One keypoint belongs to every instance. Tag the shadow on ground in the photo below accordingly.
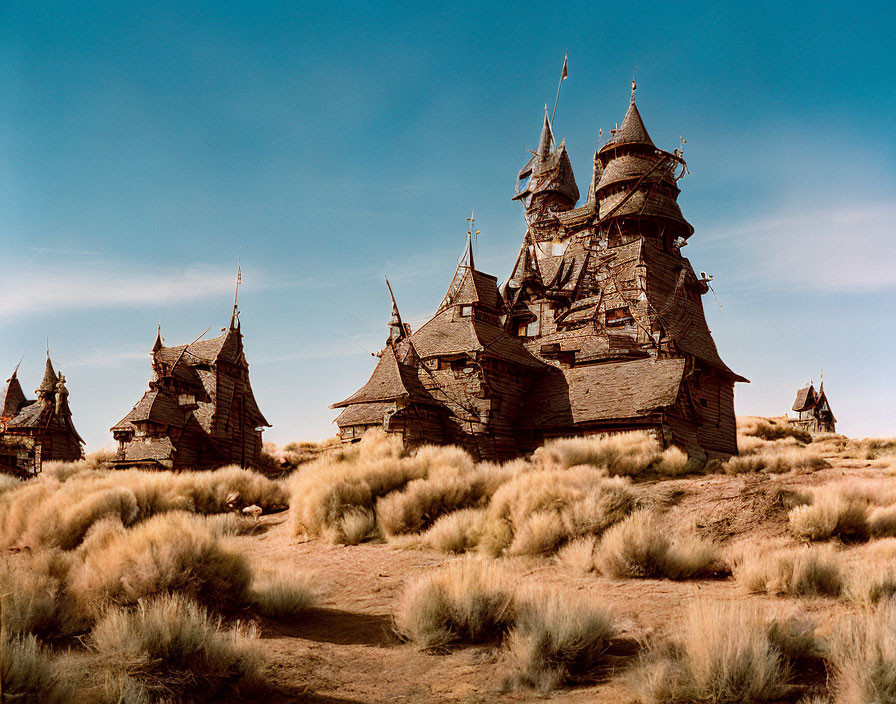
(334, 626)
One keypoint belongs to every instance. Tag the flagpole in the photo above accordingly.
(563, 75)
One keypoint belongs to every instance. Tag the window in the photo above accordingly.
(616, 317)
(431, 363)
(528, 329)
(466, 311)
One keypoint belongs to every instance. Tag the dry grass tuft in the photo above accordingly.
(36, 595)
(771, 429)
(624, 454)
(863, 655)
(456, 532)
(29, 674)
(170, 649)
(834, 513)
(536, 511)
(174, 552)
(469, 600)
(282, 594)
(556, 638)
(639, 547)
(725, 652)
(579, 554)
(803, 571)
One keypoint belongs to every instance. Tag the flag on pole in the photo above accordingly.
(239, 273)
(565, 71)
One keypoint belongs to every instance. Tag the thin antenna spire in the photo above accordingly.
(394, 304)
(563, 76)
(16, 370)
(634, 85)
(234, 317)
(471, 232)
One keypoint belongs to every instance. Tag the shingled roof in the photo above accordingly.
(390, 381)
(446, 335)
(156, 406)
(681, 315)
(49, 381)
(603, 392)
(805, 398)
(364, 413)
(631, 131)
(12, 397)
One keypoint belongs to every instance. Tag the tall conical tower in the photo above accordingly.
(546, 183)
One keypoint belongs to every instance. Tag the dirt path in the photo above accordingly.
(345, 651)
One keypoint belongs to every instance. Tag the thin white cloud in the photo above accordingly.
(110, 286)
(845, 247)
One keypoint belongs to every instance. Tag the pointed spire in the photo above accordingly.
(468, 253)
(235, 316)
(546, 140)
(158, 343)
(49, 381)
(396, 326)
(632, 129)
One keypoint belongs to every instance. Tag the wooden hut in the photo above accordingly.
(813, 412)
(600, 327)
(34, 431)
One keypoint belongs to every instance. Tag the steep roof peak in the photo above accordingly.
(632, 129)
(158, 343)
(50, 378)
(546, 140)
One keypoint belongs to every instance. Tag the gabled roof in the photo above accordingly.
(390, 381)
(12, 398)
(805, 398)
(447, 334)
(207, 351)
(477, 287)
(29, 416)
(156, 406)
(631, 131)
(364, 413)
(603, 392)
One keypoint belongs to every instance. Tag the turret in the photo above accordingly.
(546, 183)
(635, 184)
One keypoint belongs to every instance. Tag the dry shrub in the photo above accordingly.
(579, 554)
(281, 593)
(882, 522)
(640, 547)
(174, 552)
(449, 486)
(833, 513)
(725, 652)
(29, 674)
(538, 510)
(556, 638)
(8, 483)
(296, 454)
(170, 649)
(625, 454)
(863, 655)
(872, 583)
(469, 600)
(49, 512)
(456, 532)
(802, 571)
(771, 429)
(355, 526)
(36, 596)
(773, 457)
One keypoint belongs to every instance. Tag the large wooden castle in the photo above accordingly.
(600, 327)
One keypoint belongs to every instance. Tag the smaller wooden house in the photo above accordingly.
(199, 411)
(32, 431)
(813, 410)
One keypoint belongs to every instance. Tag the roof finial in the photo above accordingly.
(16, 370)
(634, 85)
(563, 76)
(397, 328)
(471, 232)
(235, 316)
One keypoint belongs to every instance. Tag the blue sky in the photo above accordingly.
(143, 145)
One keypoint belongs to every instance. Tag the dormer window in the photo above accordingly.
(618, 317)
(186, 399)
(466, 311)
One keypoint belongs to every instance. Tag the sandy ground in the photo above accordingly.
(345, 651)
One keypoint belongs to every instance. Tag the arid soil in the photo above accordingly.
(345, 650)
